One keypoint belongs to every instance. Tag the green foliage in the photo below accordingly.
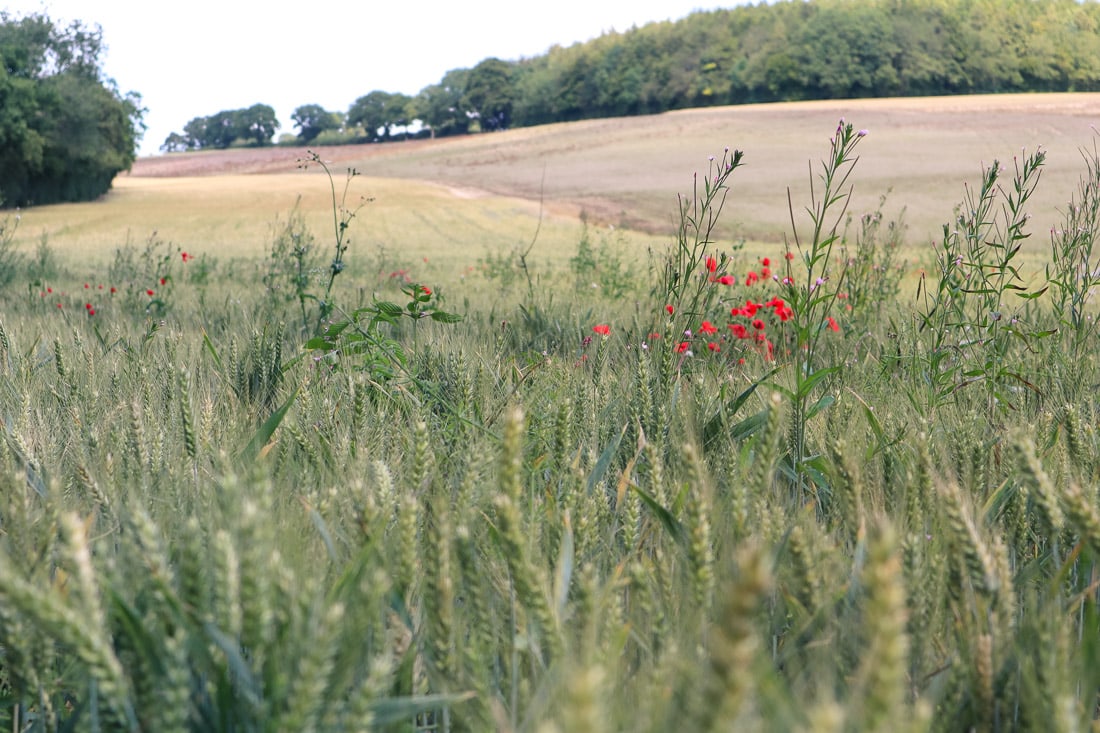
(823, 49)
(292, 269)
(873, 268)
(255, 125)
(974, 330)
(313, 119)
(66, 130)
(490, 94)
(441, 105)
(378, 113)
(601, 268)
(10, 260)
(1074, 269)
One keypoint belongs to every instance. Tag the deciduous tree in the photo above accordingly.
(65, 129)
(311, 120)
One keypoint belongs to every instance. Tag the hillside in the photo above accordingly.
(628, 171)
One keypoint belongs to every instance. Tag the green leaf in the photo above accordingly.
(672, 525)
(209, 347)
(263, 435)
(388, 308)
(714, 426)
(604, 462)
(444, 317)
(812, 380)
(245, 683)
(320, 342)
(322, 529)
(335, 329)
(824, 402)
(403, 709)
(749, 426)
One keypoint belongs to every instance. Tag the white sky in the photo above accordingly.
(198, 57)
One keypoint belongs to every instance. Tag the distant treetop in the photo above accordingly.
(783, 51)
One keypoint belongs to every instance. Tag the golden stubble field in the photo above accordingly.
(454, 200)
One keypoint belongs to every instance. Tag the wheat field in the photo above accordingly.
(461, 459)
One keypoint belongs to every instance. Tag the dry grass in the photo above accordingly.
(466, 196)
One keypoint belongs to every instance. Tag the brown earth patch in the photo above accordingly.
(255, 160)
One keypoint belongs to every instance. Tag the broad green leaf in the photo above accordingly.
(444, 317)
(604, 461)
(749, 425)
(811, 381)
(821, 404)
(388, 308)
(263, 435)
(672, 525)
(320, 342)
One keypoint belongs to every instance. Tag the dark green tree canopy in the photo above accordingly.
(65, 130)
(313, 119)
(764, 52)
(378, 113)
(780, 51)
(254, 126)
(442, 106)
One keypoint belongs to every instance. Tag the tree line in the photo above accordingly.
(65, 129)
(788, 50)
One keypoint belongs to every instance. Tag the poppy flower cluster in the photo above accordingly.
(89, 308)
(753, 325)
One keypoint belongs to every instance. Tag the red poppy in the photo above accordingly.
(670, 309)
(751, 278)
(149, 293)
(758, 324)
(832, 324)
(714, 347)
(91, 311)
(86, 286)
(766, 262)
(727, 279)
(739, 330)
(712, 264)
(708, 327)
(602, 329)
(113, 290)
(185, 256)
(163, 281)
(425, 289)
(684, 345)
(49, 290)
(789, 255)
